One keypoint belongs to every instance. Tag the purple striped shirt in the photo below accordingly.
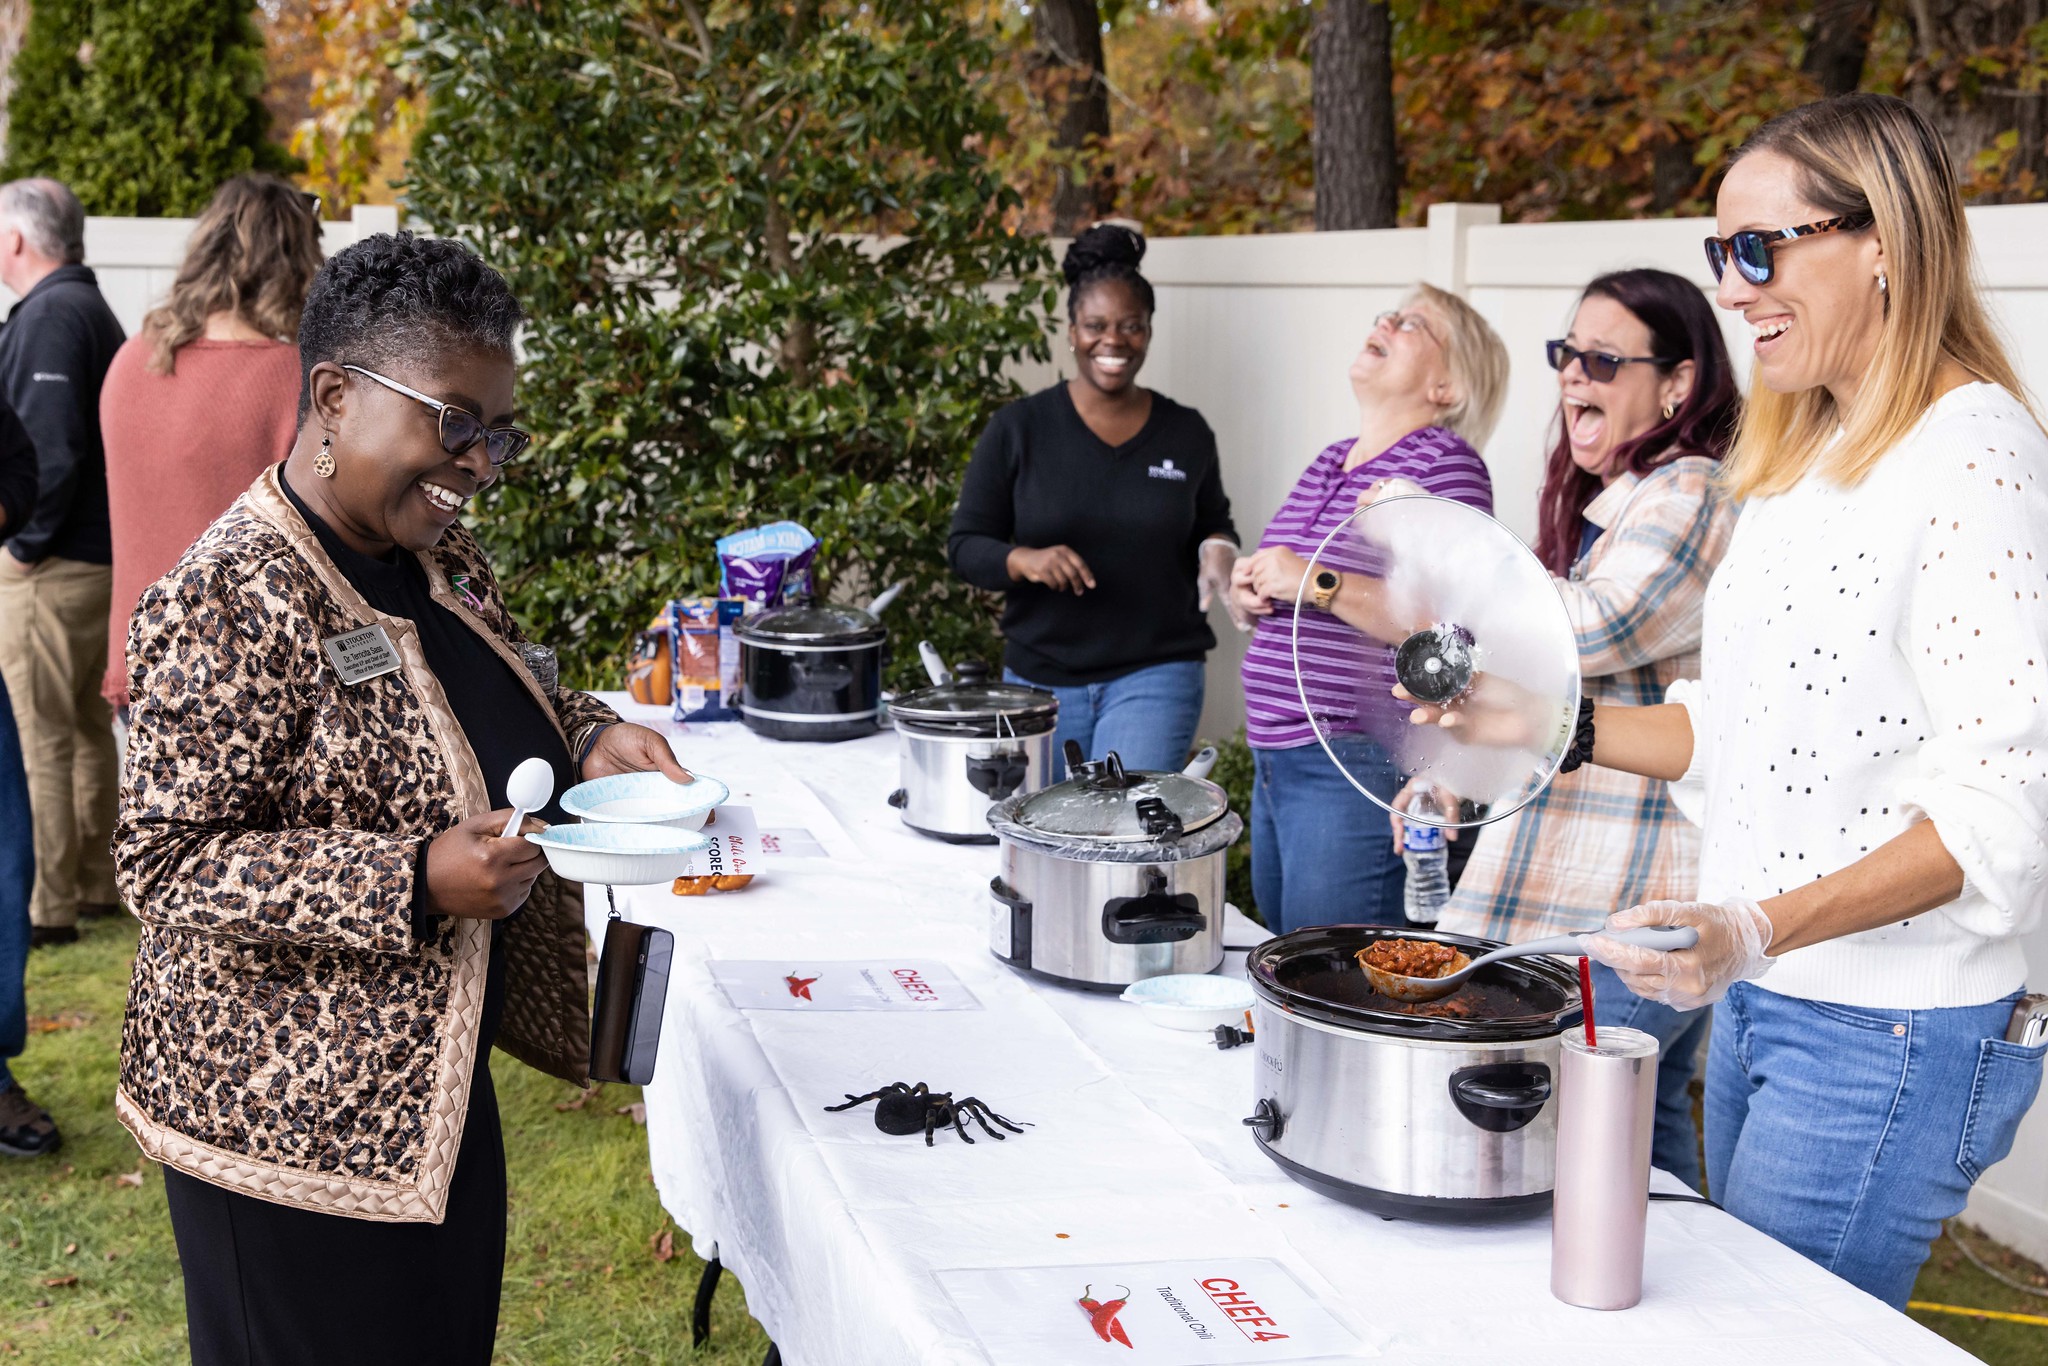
(1341, 662)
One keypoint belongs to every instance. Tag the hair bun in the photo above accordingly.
(1106, 244)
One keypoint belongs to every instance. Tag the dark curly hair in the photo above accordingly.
(396, 297)
(1105, 251)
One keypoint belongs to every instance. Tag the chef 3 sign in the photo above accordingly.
(1149, 1314)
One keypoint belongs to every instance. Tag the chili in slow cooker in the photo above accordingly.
(1411, 957)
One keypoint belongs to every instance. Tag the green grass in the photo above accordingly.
(583, 1283)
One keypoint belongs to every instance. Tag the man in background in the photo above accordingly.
(25, 1127)
(56, 576)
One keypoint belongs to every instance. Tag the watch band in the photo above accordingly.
(1327, 583)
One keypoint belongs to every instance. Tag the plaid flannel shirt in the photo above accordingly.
(1598, 841)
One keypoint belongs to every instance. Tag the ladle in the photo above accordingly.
(527, 791)
(1404, 988)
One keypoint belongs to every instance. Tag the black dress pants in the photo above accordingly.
(276, 1285)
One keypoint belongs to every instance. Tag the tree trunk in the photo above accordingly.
(1358, 173)
(1947, 32)
(1837, 41)
(1067, 73)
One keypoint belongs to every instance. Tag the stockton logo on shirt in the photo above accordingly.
(1166, 469)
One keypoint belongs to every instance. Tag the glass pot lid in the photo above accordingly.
(1444, 601)
(962, 702)
(811, 623)
(1105, 801)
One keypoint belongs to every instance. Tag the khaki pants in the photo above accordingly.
(53, 653)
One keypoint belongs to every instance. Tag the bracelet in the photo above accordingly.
(1581, 751)
(590, 743)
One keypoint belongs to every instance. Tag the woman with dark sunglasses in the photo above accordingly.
(1633, 522)
(329, 699)
(1863, 749)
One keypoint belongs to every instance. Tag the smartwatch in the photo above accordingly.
(1324, 586)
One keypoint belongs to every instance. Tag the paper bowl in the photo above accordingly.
(645, 799)
(1191, 1000)
(619, 855)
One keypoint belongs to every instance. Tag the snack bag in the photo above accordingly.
(705, 657)
(650, 674)
(767, 565)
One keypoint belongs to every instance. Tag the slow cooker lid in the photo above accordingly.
(811, 623)
(1111, 803)
(1315, 973)
(954, 705)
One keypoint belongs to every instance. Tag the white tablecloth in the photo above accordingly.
(1135, 1152)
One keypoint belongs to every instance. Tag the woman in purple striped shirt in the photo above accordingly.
(1429, 381)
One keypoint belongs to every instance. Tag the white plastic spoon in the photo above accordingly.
(529, 789)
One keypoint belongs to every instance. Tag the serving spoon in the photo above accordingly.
(527, 791)
(1418, 989)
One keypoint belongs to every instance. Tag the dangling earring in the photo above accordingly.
(1883, 286)
(1670, 411)
(323, 463)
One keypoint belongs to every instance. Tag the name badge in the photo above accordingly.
(362, 654)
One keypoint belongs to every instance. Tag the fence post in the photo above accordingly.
(1447, 226)
(373, 218)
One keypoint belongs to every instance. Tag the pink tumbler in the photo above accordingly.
(1606, 1106)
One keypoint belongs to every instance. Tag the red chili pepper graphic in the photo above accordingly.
(800, 987)
(1102, 1315)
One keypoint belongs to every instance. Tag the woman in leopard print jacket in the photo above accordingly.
(328, 700)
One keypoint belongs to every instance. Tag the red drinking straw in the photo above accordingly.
(1586, 999)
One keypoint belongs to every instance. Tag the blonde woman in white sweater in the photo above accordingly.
(1867, 745)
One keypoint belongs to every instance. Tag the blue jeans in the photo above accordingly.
(1676, 1144)
(1148, 716)
(1849, 1133)
(17, 881)
(1321, 853)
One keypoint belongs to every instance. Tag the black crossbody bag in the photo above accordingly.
(632, 988)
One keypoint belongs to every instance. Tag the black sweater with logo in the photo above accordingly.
(1137, 513)
(54, 353)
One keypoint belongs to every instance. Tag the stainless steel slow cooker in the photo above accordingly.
(811, 672)
(965, 744)
(1112, 876)
(1440, 1112)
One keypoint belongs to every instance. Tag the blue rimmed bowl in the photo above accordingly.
(619, 855)
(646, 799)
(1192, 1000)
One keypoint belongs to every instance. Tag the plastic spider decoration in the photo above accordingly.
(901, 1108)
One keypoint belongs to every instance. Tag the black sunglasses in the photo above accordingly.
(1599, 366)
(1751, 250)
(460, 428)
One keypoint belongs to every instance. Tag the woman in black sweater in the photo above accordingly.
(1097, 508)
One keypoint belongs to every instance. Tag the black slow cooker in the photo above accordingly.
(811, 672)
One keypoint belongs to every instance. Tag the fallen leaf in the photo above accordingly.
(583, 1098)
(133, 1178)
(70, 1249)
(664, 1245)
(63, 1019)
(638, 1110)
(54, 1282)
(112, 1255)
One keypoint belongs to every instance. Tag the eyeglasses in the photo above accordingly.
(1752, 250)
(460, 428)
(1598, 365)
(1406, 322)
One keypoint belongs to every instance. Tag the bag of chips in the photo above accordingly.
(766, 566)
(704, 657)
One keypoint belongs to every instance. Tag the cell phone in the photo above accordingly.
(2029, 1024)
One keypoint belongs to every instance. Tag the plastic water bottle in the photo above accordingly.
(1429, 865)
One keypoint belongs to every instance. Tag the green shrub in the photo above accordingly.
(1233, 773)
(672, 189)
(142, 107)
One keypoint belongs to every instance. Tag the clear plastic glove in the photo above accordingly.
(1212, 580)
(1734, 937)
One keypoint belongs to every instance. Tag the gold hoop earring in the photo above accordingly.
(323, 463)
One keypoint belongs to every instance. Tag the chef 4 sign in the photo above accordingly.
(1148, 1314)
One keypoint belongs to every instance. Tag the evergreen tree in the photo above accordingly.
(142, 107)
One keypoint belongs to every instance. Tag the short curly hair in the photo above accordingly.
(399, 297)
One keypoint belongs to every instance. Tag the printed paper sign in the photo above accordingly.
(1147, 1314)
(770, 985)
(740, 845)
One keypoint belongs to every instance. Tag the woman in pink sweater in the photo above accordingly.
(207, 394)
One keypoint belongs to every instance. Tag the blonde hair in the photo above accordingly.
(1876, 158)
(1479, 365)
(254, 252)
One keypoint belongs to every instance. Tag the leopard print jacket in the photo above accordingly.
(287, 1035)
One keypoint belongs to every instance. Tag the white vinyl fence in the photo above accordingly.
(1257, 333)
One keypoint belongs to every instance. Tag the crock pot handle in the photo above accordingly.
(1501, 1097)
(996, 776)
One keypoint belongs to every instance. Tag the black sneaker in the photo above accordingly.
(42, 936)
(99, 910)
(26, 1129)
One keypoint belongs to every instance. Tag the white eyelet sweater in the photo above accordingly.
(1875, 656)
